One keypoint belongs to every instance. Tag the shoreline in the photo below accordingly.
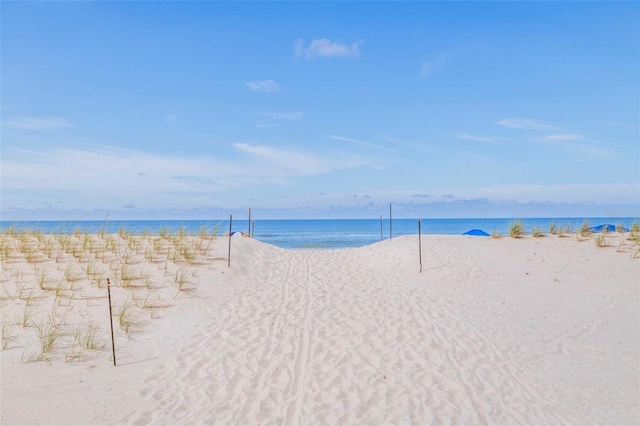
(318, 234)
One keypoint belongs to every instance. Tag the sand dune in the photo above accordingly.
(526, 331)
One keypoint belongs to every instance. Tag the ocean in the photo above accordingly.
(313, 234)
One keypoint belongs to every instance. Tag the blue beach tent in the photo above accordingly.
(606, 228)
(477, 232)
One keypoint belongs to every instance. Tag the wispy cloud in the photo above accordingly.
(564, 137)
(324, 47)
(526, 124)
(101, 176)
(618, 124)
(271, 119)
(574, 144)
(554, 193)
(268, 86)
(617, 193)
(477, 198)
(37, 124)
(484, 139)
(285, 162)
(429, 67)
(358, 142)
(420, 146)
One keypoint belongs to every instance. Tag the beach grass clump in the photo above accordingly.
(88, 338)
(149, 254)
(585, 230)
(537, 232)
(562, 232)
(601, 239)
(202, 245)
(516, 229)
(127, 319)
(634, 237)
(48, 335)
(6, 248)
(93, 269)
(181, 278)
(71, 274)
(553, 228)
(186, 253)
(181, 233)
(122, 233)
(32, 256)
(10, 231)
(202, 231)
(127, 276)
(620, 227)
(636, 243)
(164, 233)
(59, 291)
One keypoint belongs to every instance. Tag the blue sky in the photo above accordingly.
(319, 110)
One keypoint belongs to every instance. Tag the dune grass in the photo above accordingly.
(601, 239)
(49, 283)
(585, 230)
(48, 335)
(516, 229)
(563, 232)
(537, 232)
(129, 320)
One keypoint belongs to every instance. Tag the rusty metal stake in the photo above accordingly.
(113, 343)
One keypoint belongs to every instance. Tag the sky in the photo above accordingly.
(197, 110)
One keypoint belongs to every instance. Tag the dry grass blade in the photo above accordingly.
(516, 229)
(537, 232)
(48, 335)
(585, 230)
(7, 335)
(128, 320)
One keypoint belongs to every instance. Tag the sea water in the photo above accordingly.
(313, 234)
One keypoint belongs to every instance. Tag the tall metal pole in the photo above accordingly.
(420, 242)
(390, 224)
(381, 238)
(113, 344)
(229, 254)
(249, 221)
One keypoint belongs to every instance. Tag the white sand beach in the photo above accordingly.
(493, 331)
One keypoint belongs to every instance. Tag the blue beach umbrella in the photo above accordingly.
(477, 232)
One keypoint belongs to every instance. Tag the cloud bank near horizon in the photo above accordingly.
(109, 178)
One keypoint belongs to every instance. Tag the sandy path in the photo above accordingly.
(324, 338)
